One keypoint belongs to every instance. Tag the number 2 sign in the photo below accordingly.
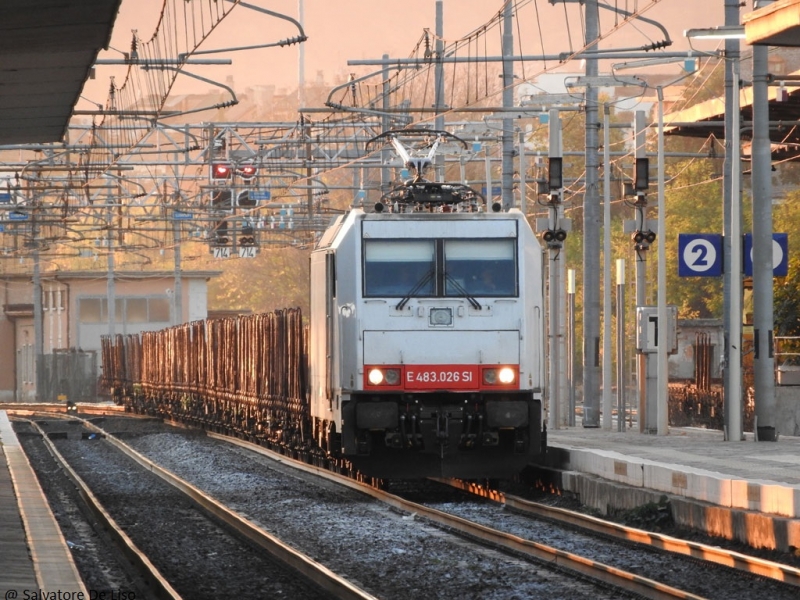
(699, 255)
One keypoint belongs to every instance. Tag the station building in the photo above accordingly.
(75, 314)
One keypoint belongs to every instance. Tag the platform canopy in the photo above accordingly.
(708, 118)
(776, 24)
(47, 50)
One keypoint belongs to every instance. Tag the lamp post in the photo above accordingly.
(732, 228)
(765, 426)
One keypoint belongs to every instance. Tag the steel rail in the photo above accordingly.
(305, 566)
(728, 558)
(147, 569)
(30, 408)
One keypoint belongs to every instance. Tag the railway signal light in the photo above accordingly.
(554, 235)
(555, 178)
(221, 171)
(247, 172)
(221, 237)
(641, 180)
(643, 239)
(245, 200)
(221, 199)
(247, 236)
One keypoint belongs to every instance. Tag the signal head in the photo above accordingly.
(247, 172)
(221, 171)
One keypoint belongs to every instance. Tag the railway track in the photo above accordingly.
(713, 554)
(172, 544)
(515, 544)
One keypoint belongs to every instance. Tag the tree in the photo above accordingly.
(786, 308)
(276, 278)
(693, 205)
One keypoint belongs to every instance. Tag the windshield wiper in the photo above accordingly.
(425, 279)
(460, 289)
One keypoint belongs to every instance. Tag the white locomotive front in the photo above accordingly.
(426, 342)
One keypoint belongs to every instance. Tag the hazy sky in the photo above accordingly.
(339, 30)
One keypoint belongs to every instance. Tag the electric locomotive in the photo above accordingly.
(426, 335)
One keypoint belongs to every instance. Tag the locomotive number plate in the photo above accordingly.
(418, 377)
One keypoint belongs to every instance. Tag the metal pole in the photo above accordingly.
(386, 174)
(38, 326)
(110, 290)
(488, 163)
(607, 383)
(763, 360)
(641, 275)
(301, 60)
(662, 409)
(523, 175)
(562, 331)
(733, 341)
(507, 176)
(731, 401)
(439, 83)
(555, 259)
(177, 298)
(731, 155)
(571, 345)
(591, 234)
(621, 344)
(553, 335)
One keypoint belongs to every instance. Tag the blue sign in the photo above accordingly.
(780, 254)
(5, 197)
(260, 195)
(496, 190)
(17, 216)
(181, 215)
(2, 228)
(699, 255)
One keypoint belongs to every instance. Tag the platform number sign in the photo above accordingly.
(780, 254)
(699, 255)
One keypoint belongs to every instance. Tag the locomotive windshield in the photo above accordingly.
(399, 268)
(435, 268)
(480, 268)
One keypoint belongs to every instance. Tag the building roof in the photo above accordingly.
(118, 275)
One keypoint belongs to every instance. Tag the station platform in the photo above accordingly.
(34, 556)
(745, 490)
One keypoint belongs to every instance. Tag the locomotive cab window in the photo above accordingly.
(480, 268)
(435, 268)
(398, 268)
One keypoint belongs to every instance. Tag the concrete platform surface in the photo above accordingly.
(34, 556)
(747, 490)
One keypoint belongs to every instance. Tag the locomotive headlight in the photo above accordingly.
(499, 376)
(392, 376)
(506, 375)
(376, 377)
